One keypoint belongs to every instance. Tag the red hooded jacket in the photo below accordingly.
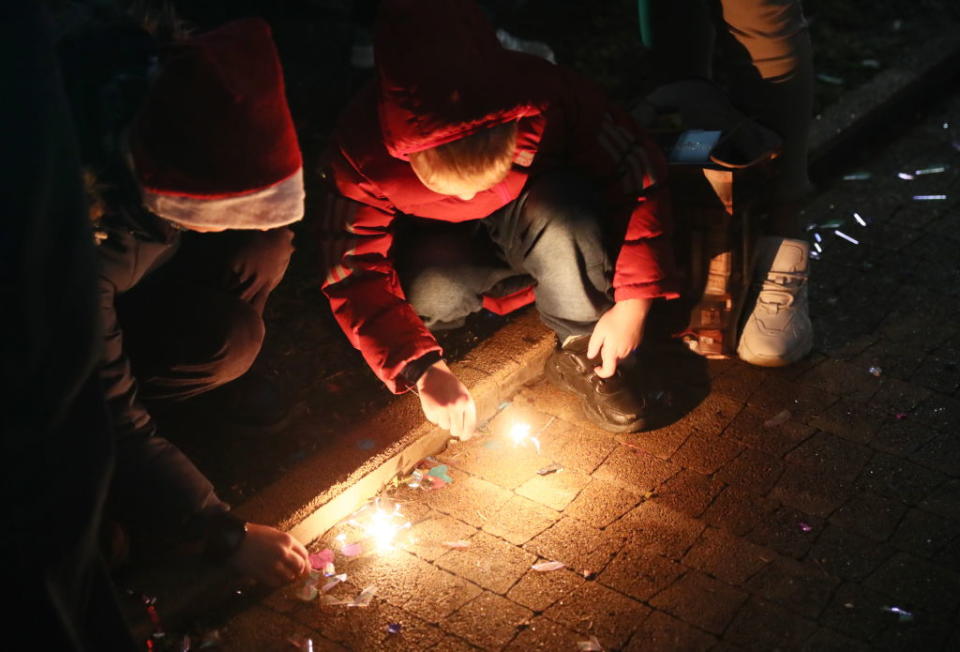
(443, 75)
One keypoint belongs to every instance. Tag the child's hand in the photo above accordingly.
(617, 334)
(446, 402)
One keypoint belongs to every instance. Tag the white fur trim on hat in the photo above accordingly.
(268, 208)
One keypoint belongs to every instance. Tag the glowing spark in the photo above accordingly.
(520, 432)
(906, 176)
(937, 169)
(383, 527)
(860, 220)
(841, 234)
(929, 197)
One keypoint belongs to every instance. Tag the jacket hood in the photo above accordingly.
(440, 74)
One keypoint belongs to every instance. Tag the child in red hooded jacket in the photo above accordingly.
(540, 176)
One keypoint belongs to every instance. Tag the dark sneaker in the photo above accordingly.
(610, 403)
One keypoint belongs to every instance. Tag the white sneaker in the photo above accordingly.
(778, 332)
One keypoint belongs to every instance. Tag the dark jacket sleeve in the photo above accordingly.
(157, 491)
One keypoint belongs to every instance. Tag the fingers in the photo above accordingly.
(595, 344)
(469, 420)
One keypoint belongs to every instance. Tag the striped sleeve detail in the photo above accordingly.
(339, 237)
(629, 157)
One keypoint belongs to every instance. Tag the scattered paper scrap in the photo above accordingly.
(904, 616)
(319, 560)
(457, 545)
(841, 234)
(857, 176)
(336, 579)
(906, 176)
(435, 482)
(547, 566)
(302, 644)
(352, 550)
(306, 592)
(592, 645)
(547, 470)
(875, 371)
(936, 169)
(363, 600)
(778, 419)
(830, 79)
(394, 628)
(440, 471)
(929, 197)
(805, 527)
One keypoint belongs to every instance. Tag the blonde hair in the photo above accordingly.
(483, 158)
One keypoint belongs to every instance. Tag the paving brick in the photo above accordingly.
(762, 626)
(400, 578)
(640, 573)
(811, 491)
(941, 453)
(739, 381)
(843, 378)
(918, 635)
(538, 590)
(857, 611)
(488, 621)
(848, 555)
(739, 511)
(633, 467)
(938, 373)
(689, 492)
(701, 601)
(519, 520)
(553, 401)
(919, 586)
(661, 631)
(854, 420)
(803, 399)
(602, 502)
(417, 634)
(489, 562)
(488, 459)
(427, 535)
(830, 456)
(576, 447)
(661, 442)
(788, 531)
(752, 470)
(578, 545)
(942, 413)
(727, 557)
(896, 358)
(748, 428)
(945, 500)
(800, 587)
(902, 436)
(608, 615)
(258, 629)
(894, 477)
(556, 490)
(706, 453)
(870, 514)
(897, 396)
(659, 528)
(468, 498)
(544, 634)
(713, 414)
(827, 640)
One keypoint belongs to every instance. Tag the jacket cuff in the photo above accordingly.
(416, 368)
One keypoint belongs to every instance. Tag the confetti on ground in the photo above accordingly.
(937, 169)
(805, 527)
(929, 197)
(875, 371)
(778, 419)
(363, 600)
(593, 645)
(906, 176)
(547, 566)
(306, 592)
(830, 79)
(857, 176)
(903, 615)
(547, 470)
(493, 444)
(319, 560)
(841, 234)
(900, 416)
(859, 219)
(394, 628)
(302, 644)
(457, 545)
(435, 483)
(336, 579)
(352, 550)
(440, 471)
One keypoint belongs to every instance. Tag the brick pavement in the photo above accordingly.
(720, 530)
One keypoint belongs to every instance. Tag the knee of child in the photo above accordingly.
(241, 341)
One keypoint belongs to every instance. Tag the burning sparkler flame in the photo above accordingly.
(520, 433)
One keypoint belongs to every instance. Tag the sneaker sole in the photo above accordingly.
(556, 376)
(749, 357)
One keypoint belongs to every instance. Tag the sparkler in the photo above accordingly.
(520, 434)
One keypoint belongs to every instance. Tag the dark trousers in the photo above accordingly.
(197, 323)
(551, 234)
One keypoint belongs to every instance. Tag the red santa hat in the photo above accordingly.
(214, 144)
